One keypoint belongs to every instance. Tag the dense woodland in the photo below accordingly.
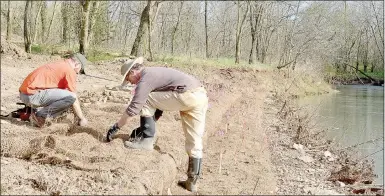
(342, 35)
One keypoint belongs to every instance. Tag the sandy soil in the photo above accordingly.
(66, 159)
(243, 152)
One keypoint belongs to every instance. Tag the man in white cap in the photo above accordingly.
(166, 89)
(53, 88)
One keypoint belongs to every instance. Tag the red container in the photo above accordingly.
(24, 116)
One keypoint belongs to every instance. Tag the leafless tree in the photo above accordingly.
(83, 39)
(43, 18)
(9, 21)
(143, 27)
(27, 26)
(240, 21)
(46, 37)
(176, 27)
(206, 34)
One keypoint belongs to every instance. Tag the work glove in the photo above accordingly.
(158, 114)
(111, 132)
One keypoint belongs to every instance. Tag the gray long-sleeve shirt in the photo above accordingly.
(155, 79)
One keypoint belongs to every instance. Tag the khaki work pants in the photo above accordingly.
(192, 105)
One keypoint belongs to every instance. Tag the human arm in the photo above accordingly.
(116, 127)
(70, 78)
(139, 99)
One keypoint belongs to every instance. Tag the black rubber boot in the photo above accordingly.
(193, 173)
(139, 131)
(144, 139)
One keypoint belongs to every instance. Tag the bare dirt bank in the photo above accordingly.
(243, 151)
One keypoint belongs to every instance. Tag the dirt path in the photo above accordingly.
(65, 159)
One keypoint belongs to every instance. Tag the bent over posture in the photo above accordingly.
(53, 87)
(165, 89)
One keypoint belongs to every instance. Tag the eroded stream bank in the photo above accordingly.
(305, 161)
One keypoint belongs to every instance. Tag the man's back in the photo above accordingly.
(58, 74)
(168, 79)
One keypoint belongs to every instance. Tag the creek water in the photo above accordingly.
(352, 116)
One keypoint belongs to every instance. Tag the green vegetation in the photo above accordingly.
(93, 55)
(54, 49)
(40, 49)
(351, 74)
(378, 75)
(187, 61)
(97, 55)
(192, 62)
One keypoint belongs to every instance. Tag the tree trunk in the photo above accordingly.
(237, 53)
(143, 27)
(36, 22)
(127, 31)
(358, 50)
(373, 66)
(162, 34)
(255, 20)
(239, 31)
(365, 52)
(27, 30)
(286, 57)
(152, 15)
(9, 21)
(264, 34)
(176, 28)
(150, 21)
(83, 38)
(344, 66)
(64, 13)
(43, 16)
(365, 62)
(109, 29)
(253, 35)
(94, 12)
(206, 35)
(50, 23)
(379, 28)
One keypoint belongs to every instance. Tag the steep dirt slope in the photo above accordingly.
(66, 159)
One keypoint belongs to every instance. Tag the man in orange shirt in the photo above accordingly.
(53, 87)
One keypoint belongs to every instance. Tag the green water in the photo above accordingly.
(352, 116)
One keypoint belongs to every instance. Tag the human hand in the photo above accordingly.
(83, 122)
(111, 132)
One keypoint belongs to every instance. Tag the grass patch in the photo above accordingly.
(195, 62)
(93, 55)
(378, 75)
(40, 49)
(97, 55)
(54, 49)
(350, 75)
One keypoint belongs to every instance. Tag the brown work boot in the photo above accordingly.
(37, 120)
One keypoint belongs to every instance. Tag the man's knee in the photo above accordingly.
(72, 94)
(69, 100)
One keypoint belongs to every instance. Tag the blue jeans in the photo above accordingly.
(53, 101)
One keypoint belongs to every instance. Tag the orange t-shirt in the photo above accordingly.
(59, 74)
